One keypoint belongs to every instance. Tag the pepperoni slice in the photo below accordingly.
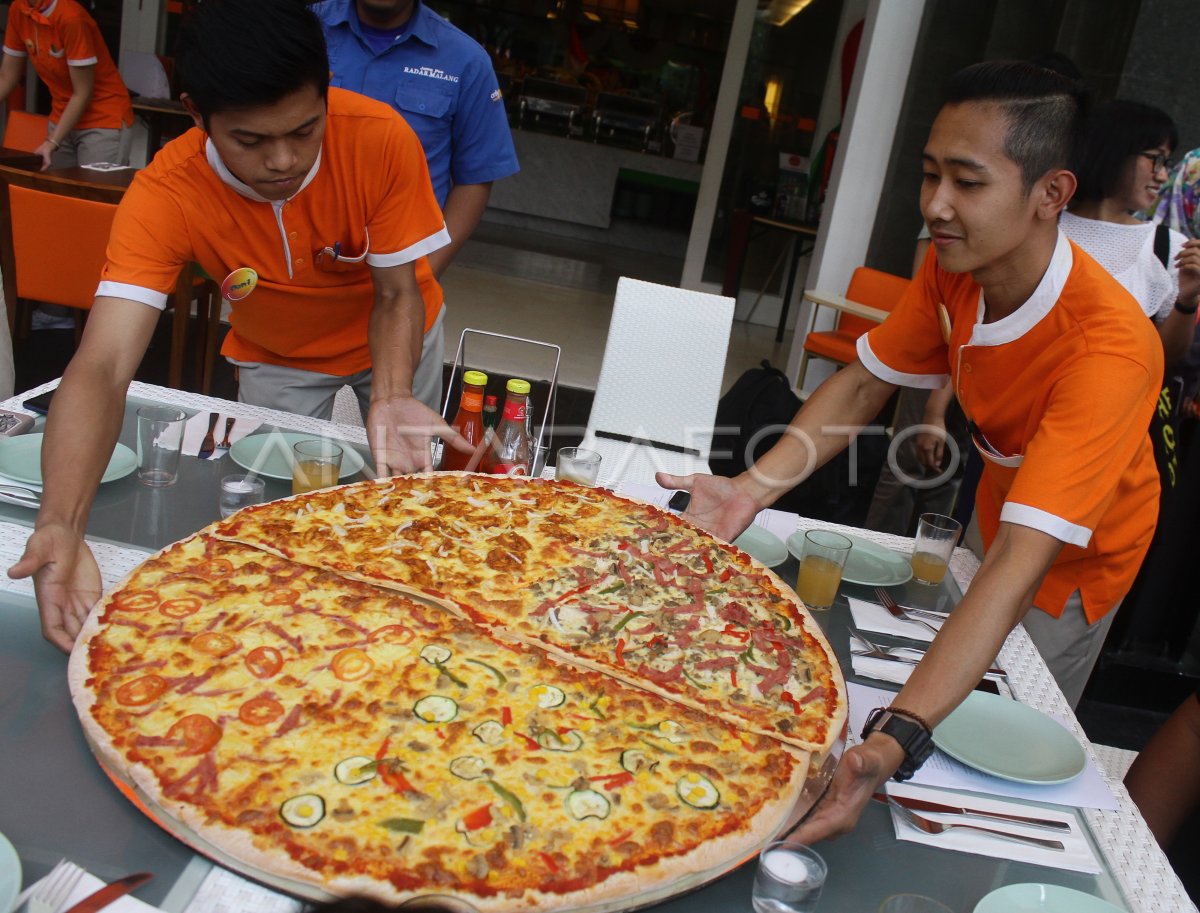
(141, 690)
(392, 634)
(351, 664)
(180, 608)
(136, 601)
(213, 643)
(264, 662)
(281, 596)
(198, 733)
(258, 711)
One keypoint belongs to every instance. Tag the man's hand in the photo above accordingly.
(65, 578)
(862, 770)
(45, 150)
(931, 448)
(399, 430)
(718, 504)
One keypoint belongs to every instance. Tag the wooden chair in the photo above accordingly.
(869, 299)
(53, 238)
(25, 131)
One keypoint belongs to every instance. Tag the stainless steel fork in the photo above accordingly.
(930, 826)
(53, 890)
(897, 654)
(896, 611)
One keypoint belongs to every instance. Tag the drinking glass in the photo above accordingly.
(159, 441)
(316, 463)
(913, 903)
(788, 880)
(574, 464)
(240, 491)
(936, 537)
(821, 566)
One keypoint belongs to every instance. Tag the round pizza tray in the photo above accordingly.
(820, 774)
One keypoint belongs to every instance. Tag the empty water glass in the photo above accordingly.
(159, 440)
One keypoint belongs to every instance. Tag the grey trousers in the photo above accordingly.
(895, 505)
(87, 147)
(1069, 645)
(311, 393)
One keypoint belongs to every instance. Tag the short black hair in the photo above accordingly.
(1112, 133)
(238, 54)
(1045, 111)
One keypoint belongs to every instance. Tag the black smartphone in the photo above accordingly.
(39, 403)
(987, 685)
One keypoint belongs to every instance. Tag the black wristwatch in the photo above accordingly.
(915, 739)
(1189, 311)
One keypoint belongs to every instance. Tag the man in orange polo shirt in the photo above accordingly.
(90, 113)
(1057, 369)
(315, 207)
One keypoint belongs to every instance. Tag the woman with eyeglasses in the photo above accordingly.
(1121, 163)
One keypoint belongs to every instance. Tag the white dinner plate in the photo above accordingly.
(21, 460)
(270, 454)
(869, 563)
(1042, 898)
(10, 875)
(1009, 740)
(763, 545)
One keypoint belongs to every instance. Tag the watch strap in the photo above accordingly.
(913, 737)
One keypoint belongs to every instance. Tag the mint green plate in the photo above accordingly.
(869, 563)
(1042, 898)
(10, 875)
(270, 454)
(21, 460)
(1009, 740)
(763, 545)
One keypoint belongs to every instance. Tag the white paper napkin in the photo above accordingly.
(886, 670)
(871, 617)
(197, 427)
(87, 885)
(1076, 856)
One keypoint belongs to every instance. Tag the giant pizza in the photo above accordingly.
(528, 694)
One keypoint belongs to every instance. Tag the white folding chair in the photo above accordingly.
(660, 380)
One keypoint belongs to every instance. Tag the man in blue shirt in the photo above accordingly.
(442, 82)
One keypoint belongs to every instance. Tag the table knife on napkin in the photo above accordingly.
(110, 892)
(923, 805)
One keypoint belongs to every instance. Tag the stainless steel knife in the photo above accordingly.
(924, 805)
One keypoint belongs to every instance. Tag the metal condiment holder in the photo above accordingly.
(541, 448)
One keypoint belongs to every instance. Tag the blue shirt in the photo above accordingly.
(440, 80)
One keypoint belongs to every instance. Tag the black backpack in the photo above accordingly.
(758, 403)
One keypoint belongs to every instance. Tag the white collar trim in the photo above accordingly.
(230, 179)
(1039, 304)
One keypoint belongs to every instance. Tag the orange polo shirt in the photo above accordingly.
(1060, 393)
(368, 191)
(60, 35)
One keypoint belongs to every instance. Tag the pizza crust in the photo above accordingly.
(657, 881)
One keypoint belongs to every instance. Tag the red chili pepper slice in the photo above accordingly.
(708, 563)
(787, 696)
(531, 744)
(549, 860)
(481, 817)
(725, 575)
(506, 716)
(621, 652)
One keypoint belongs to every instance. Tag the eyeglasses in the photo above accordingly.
(1159, 159)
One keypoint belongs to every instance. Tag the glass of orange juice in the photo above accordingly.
(821, 564)
(316, 463)
(936, 537)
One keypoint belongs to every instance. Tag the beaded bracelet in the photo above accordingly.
(912, 716)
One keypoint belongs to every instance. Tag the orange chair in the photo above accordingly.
(25, 131)
(52, 248)
(869, 299)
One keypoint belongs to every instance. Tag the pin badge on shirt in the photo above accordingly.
(944, 320)
(238, 284)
